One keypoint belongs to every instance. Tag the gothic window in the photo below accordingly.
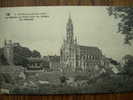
(93, 57)
(84, 57)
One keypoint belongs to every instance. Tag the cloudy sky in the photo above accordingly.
(92, 27)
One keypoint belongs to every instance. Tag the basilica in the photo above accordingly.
(78, 58)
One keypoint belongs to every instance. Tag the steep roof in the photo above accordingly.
(90, 50)
(32, 59)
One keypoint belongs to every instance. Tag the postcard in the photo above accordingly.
(66, 50)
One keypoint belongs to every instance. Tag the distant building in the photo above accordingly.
(36, 64)
(47, 63)
(77, 58)
(126, 59)
(8, 51)
(54, 63)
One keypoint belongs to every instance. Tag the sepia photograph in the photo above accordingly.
(66, 50)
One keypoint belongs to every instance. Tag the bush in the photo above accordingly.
(63, 79)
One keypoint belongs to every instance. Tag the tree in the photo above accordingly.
(128, 66)
(22, 53)
(20, 60)
(36, 54)
(112, 61)
(125, 26)
(63, 79)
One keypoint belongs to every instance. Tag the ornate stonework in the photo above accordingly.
(75, 57)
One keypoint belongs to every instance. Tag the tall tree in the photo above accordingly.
(22, 53)
(125, 26)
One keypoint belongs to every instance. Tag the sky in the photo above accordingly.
(92, 27)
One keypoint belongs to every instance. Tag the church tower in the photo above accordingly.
(68, 50)
(69, 30)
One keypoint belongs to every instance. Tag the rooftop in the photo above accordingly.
(90, 50)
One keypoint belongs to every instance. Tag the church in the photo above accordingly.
(79, 58)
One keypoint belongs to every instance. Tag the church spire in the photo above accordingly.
(69, 29)
(70, 20)
(69, 15)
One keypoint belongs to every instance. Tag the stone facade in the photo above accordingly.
(69, 49)
(77, 58)
(54, 62)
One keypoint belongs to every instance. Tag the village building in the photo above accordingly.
(36, 64)
(47, 63)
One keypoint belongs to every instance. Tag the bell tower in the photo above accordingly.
(69, 48)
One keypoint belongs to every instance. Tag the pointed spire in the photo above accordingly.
(69, 15)
(69, 19)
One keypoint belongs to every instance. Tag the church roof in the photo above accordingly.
(90, 50)
(33, 59)
(54, 58)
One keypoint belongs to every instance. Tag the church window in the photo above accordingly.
(84, 57)
(91, 57)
